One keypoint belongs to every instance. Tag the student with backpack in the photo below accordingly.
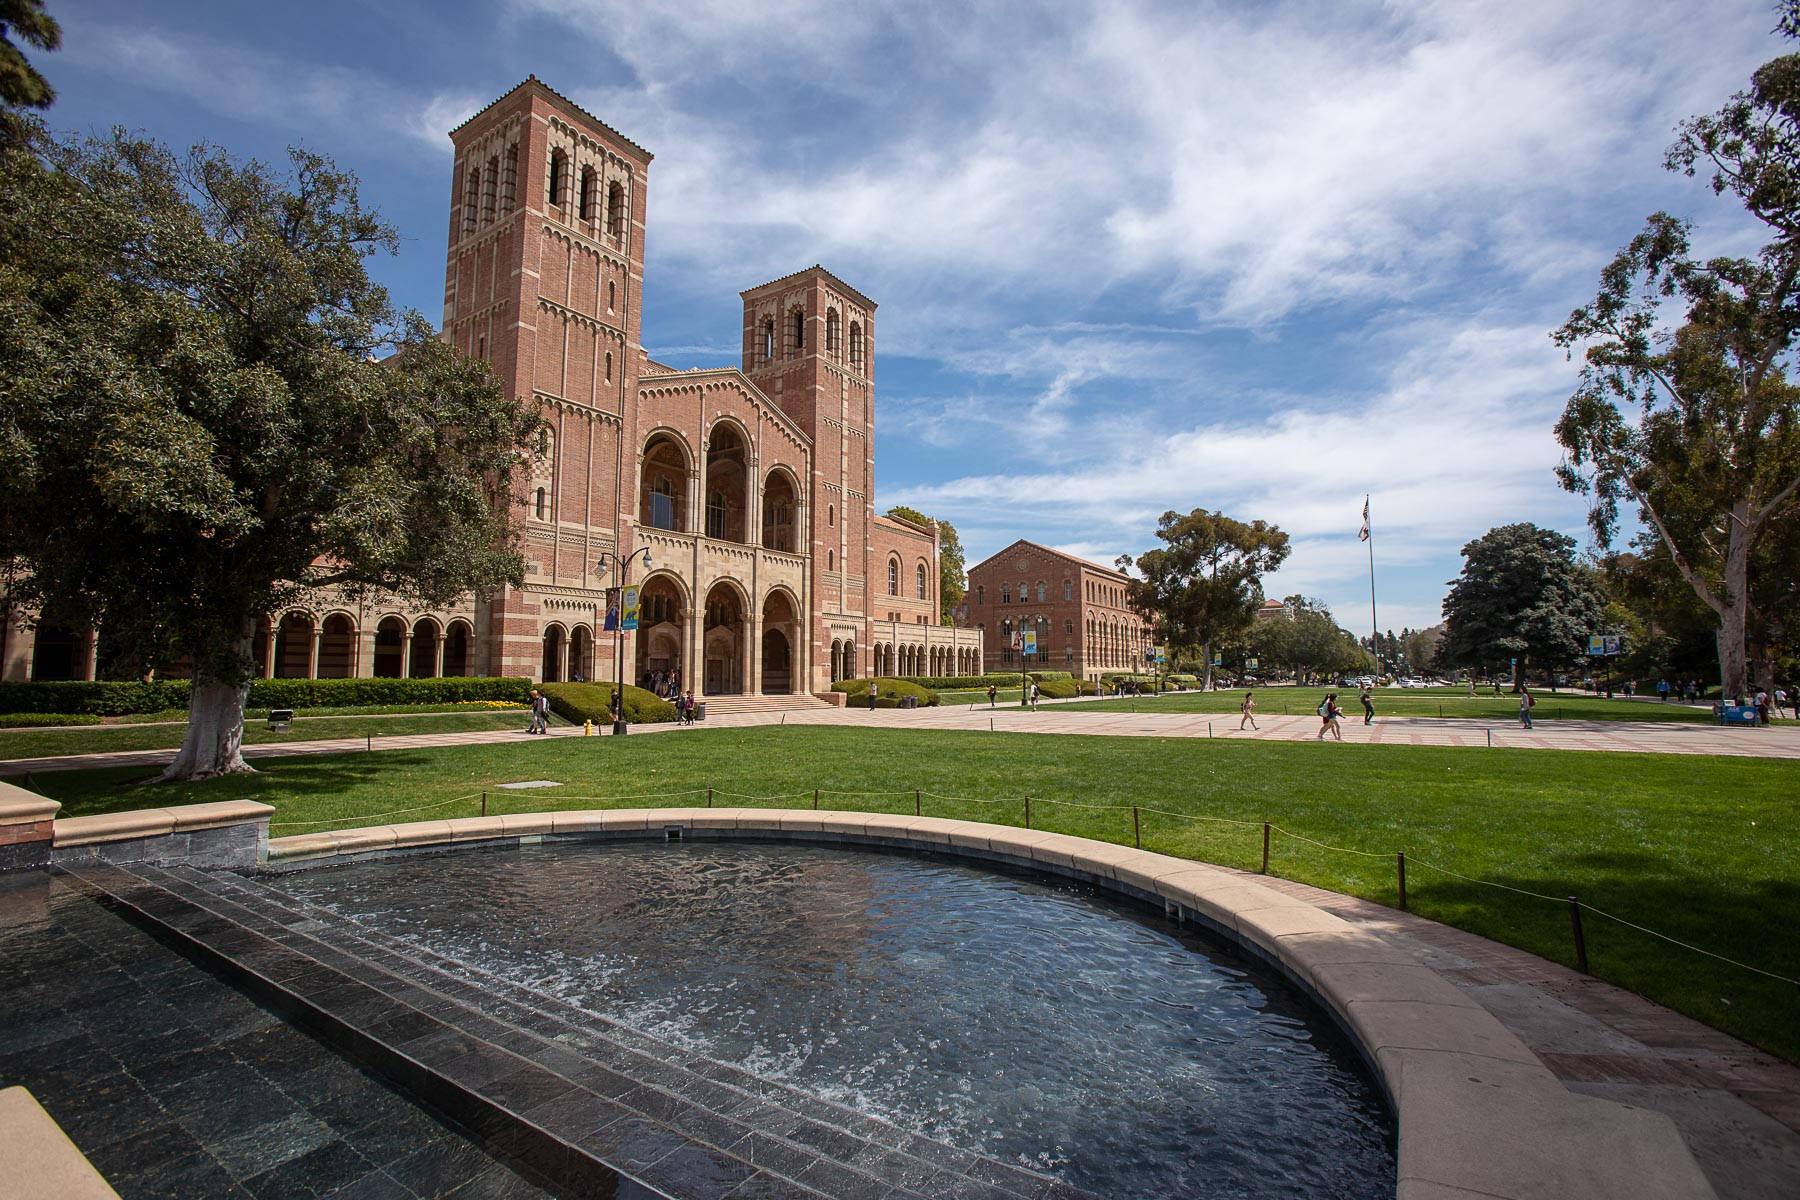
(1527, 702)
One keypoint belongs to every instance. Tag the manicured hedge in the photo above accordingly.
(578, 702)
(120, 698)
(1067, 689)
(888, 692)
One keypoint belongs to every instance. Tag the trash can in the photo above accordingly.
(280, 718)
(700, 710)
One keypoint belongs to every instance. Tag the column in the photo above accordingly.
(438, 658)
(754, 685)
(406, 654)
(312, 654)
(269, 654)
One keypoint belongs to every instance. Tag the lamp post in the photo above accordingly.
(624, 566)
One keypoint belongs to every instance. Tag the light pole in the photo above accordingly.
(624, 565)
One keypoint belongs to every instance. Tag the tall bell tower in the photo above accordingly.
(809, 345)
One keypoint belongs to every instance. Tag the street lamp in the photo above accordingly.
(624, 566)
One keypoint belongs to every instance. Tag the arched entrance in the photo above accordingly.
(293, 646)
(724, 643)
(389, 636)
(659, 637)
(552, 667)
(662, 495)
(424, 658)
(727, 484)
(337, 647)
(780, 620)
(456, 650)
(53, 653)
(581, 654)
(780, 511)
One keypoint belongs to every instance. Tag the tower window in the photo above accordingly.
(609, 366)
(543, 503)
(559, 182)
(615, 210)
(490, 189)
(856, 345)
(831, 514)
(612, 295)
(831, 333)
(471, 193)
(768, 339)
(509, 180)
(588, 198)
(799, 323)
(831, 560)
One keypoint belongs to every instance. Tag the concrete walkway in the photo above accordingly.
(1651, 737)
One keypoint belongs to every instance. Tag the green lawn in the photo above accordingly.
(1702, 849)
(1403, 702)
(97, 739)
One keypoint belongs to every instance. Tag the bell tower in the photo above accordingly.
(809, 345)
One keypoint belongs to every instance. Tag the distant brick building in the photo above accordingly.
(752, 487)
(1078, 609)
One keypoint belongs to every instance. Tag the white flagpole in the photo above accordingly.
(1374, 623)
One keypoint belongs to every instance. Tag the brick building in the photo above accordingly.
(752, 487)
(1078, 609)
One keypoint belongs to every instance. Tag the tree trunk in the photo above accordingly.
(215, 734)
(1734, 679)
(1206, 659)
(1733, 675)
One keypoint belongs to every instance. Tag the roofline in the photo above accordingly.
(842, 286)
(911, 526)
(775, 410)
(533, 80)
(1092, 566)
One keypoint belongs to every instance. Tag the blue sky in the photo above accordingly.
(1130, 257)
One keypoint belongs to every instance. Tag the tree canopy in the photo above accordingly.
(1521, 596)
(953, 570)
(1692, 418)
(196, 430)
(1306, 640)
(21, 85)
(1204, 586)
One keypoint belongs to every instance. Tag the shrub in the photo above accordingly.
(120, 698)
(949, 683)
(1040, 676)
(888, 692)
(578, 702)
(27, 720)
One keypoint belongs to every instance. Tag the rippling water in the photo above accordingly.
(1027, 1020)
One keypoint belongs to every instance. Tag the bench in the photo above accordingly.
(281, 718)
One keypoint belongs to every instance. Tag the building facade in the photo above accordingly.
(750, 488)
(1077, 608)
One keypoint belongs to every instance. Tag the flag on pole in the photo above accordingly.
(1363, 534)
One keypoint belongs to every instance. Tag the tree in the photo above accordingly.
(193, 427)
(1698, 426)
(1308, 640)
(21, 86)
(1522, 597)
(1204, 588)
(953, 571)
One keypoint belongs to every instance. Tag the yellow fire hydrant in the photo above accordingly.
(587, 729)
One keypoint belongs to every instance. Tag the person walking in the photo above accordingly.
(615, 706)
(872, 694)
(992, 692)
(687, 707)
(1762, 707)
(1331, 714)
(1368, 704)
(540, 713)
(1248, 708)
(1034, 695)
(1662, 690)
(1527, 702)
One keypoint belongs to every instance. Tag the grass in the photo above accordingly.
(1405, 702)
(1702, 849)
(101, 739)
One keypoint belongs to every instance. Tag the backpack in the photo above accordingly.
(1322, 707)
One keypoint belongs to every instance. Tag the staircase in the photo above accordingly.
(755, 705)
(585, 1103)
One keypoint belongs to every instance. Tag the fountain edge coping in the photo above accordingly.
(1478, 1113)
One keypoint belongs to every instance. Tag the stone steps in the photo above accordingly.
(725, 706)
(546, 1071)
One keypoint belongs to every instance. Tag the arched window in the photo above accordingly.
(1042, 591)
(831, 514)
(509, 180)
(490, 189)
(893, 577)
(559, 178)
(798, 325)
(919, 574)
(612, 295)
(609, 366)
(980, 594)
(471, 199)
(543, 503)
(588, 198)
(856, 345)
(1006, 593)
(831, 332)
(831, 560)
(768, 339)
(1024, 592)
(1068, 589)
(615, 210)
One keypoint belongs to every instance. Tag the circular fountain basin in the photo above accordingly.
(1023, 1018)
